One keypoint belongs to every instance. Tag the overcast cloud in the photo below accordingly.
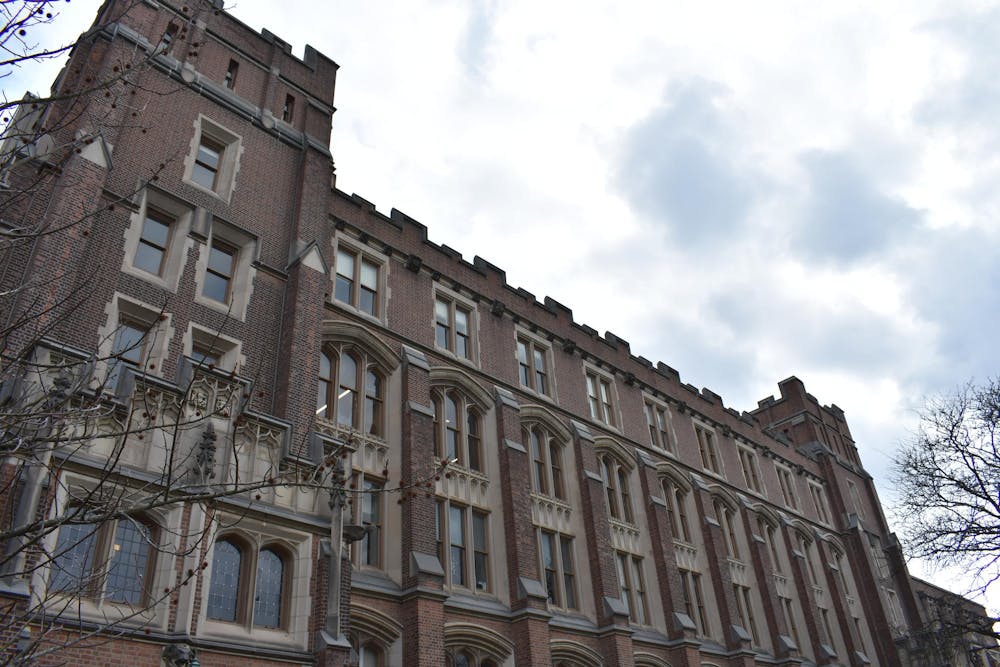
(742, 192)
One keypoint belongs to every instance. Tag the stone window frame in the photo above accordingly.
(535, 343)
(181, 216)
(786, 482)
(608, 413)
(229, 160)
(468, 407)
(663, 427)
(456, 301)
(256, 535)
(616, 469)
(229, 350)
(559, 548)
(677, 497)
(710, 455)
(693, 599)
(820, 502)
(855, 494)
(727, 514)
(361, 494)
(632, 583)
(155, 345)
(443, 527)
(155, 614)
(243, 272)
(361, 251)
(750, 467)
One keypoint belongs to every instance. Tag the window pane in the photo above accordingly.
(441, 336)
(462, 346)
(148, 258)
(441, 312)
(369, 275)
(472, 430)
(371, 516)
(220, 260)
(208, 155)
(73, 562)
(342, 289)
(203, 176)
(267, 601)
(461, 321)
(367, 304)
(456, 527)
(129, 563)
(128, 343)
(216, 287)
(223, 592)
(155, 232)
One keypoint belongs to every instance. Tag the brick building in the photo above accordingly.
(594, 510)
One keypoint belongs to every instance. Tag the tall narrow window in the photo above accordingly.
(452, 327)
(153, 242)
(547, 466)
(267, 599)
(344, 373)
(632, 585)
(357, 281)
(532, 362)
(616, 485)
(657, 420)
(556, 552)
(768, 533)
(370, 516)
(707, 449)
(129, 562)
(676, 499)
(480, 560)
(751, 473)
(727, 521)
(601, 398)
(456, 534)
(219, 273)
(459, 427)
(208, 162)
(288, 111)
(694, 600)
(787, 484)
(230, 80)
(127, 348)
(819, 502)
(224, 591)
(744, 607)
(466, 562)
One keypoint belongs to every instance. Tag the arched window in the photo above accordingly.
(240, 592)
(727, 522)
(676, 498)
(351, 390)
(370, 655)
(458, 425)
(270, 578)
(224, 592)
(112, 560)
(466, 658)
(616, 484)
(547, 464)
(770, 535)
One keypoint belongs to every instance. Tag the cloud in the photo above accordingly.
(953, 282)
(972, 94)
(678, 169)
(475, 38)
(846, 217)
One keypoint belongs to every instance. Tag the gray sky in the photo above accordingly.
(743, 191)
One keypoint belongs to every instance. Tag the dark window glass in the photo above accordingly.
(231, 72)
(456, 527)
(479, 550)
(219, 275)
(206, 163)
(153, 240)
(130, 557)
(371, 518)
(267, 601)
(73, 562)
(347, 396)
(223, 593)
(344, 286)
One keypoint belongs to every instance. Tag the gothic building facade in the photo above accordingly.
(518, 489)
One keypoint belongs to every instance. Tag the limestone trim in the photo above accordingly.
(466, 635)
